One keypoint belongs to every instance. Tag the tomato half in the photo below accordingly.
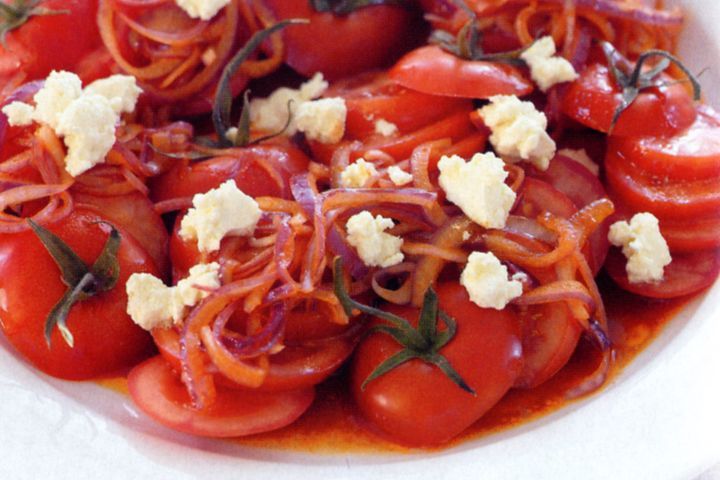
(338, 46)
(434, 71)
(105, 338)
(416, 403)
(158, 391)
(659, 111)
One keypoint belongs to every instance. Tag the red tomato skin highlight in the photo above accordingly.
(106, 339)
(416, 403)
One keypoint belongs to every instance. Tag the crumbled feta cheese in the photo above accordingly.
(121, 90)
(85, 118)
(357, 174)
(466, 236)
(204, 275)
(202, 9)
(486, 281)
(518, 130)
(399, 176)
(644, 247)
(88, 128)
(19, 114)
(478, 188)
(152, 304)
(223, 211)
(581, 157)
(375, 247)
(545, 68)
(56, 95)
(271, 114)
(385, 128)
(322, 120)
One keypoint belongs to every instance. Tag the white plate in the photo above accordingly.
(660, 419)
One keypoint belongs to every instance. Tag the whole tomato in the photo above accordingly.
(104, 337)
(417, 403)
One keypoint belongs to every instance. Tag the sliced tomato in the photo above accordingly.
(550, 336)
(157, 390)
(691, 234)
(295, 367)
(537, 196)
(687, 273)
(434, 71)
(372, 96)
(659, 111)
(692, 154)
(660, 195)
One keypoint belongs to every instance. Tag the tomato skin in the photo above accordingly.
(105, 337)
(434, 71)
(35, 47)
(593, 99)
(244, 165)
(373, 96)
(368, 38)
(157, 390)
(136, 214)
(415, 403)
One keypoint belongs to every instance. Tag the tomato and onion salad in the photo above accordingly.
(299, 308)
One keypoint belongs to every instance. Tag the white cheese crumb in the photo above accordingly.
(322, 120)
(121, 90)
(385, 128)
(88, 128)
(152, 304)
(478, 188)
(486, 281)
(223, 211)
(518, 130)
(399, 176)
(545, 68)
(581, 157)
(466, 236)
(85, 118)
(205, 275)
(19, 114)
(202, 9)
(375, 247)
(271, 114)
(357, 174)
(56, 95)
(644, 247)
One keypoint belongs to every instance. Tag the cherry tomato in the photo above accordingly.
(339, 46)
(659, 111)
(136, 214)
(157, 390)
(105, 338)
(687, 273)
(416, 403)
(55, 41)
(373, 96)
(434, 71)
(262, 170)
